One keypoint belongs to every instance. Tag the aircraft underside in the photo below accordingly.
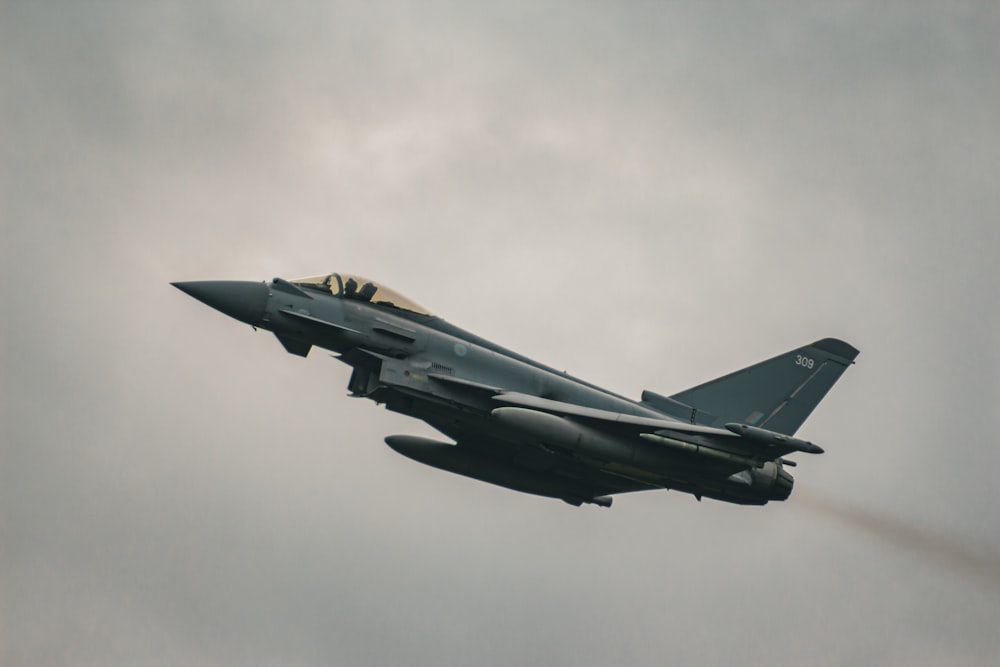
(527, 464)
(522, 425)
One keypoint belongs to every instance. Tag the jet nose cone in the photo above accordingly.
(240, 299)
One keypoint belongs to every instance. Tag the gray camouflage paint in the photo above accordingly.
(707, 173)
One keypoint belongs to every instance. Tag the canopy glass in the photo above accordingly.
(360, 289)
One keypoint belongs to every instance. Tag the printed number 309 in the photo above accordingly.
(804, 361)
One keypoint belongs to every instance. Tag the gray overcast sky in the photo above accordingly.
(646, 194)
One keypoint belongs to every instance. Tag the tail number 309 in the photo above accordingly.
(806, 362)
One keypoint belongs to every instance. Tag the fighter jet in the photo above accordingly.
(526, 426)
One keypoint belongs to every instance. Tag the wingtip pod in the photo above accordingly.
(766, 437)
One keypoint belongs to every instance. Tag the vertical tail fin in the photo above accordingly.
(777, 394)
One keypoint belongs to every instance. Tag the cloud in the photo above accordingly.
(647, 196)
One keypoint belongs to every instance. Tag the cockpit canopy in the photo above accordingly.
(360, 289)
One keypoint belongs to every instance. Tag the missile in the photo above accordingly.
(701, 450)
(462, 461)
(562, 433)
(565, 434)
(773, 439)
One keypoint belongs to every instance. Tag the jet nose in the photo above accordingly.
(240, 299)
